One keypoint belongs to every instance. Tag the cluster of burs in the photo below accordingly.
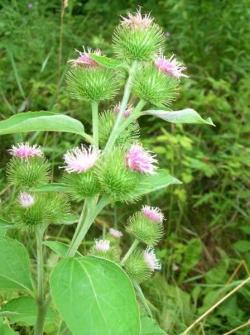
(113, 169)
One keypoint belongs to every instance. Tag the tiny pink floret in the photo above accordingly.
(25, 151)
(153, 213)
(102, 245)
(115, 233)
(85, 60)
(151, 259)
(127, 111)
(26, 200)
(170, 67)
(140, 160)
(80, 159)
(137, 20)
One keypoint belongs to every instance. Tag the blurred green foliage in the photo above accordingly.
(208, 216)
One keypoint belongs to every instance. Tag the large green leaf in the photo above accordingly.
(150, 327)
(187, 115)
(40, 121)
(5, 329)
(95, 296)
(14, 265)
(25, 311)
(155, 182)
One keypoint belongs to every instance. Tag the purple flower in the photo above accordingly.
(127, 112)
(115, 233)
(170, 66)
(137, 20)
(102, 245)
(26, 200)
(153, 213)
(140, 160)
(85, 60)
(151, 260)
(80, 159)
(24, 151)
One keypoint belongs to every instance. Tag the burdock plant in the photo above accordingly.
(92, 288)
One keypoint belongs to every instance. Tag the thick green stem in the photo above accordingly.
(92, 211)
(130, 251)
(80, 222)
(41, 303)
(124, 103)
(95, 121)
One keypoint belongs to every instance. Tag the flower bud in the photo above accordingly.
(102, 248)
(106, 123)
(89, 81)
(141, 264)
(138, 37)
(116, 179)
(170, 67)
(140, 160)
(153, 86)
(146, 225)
(42, 209)
(80, 174)
(136, 267)
(27, 167)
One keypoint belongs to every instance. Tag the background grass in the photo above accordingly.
(207, 248)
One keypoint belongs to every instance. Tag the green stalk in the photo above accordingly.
(80, 222)
(95, 121)
(41, 304)
(130, 251)
(124, 103)
(92, 211)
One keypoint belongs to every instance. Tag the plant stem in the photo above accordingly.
(143, 299)
(80, 222)
(95, 121)
(130, 251)
(92, 211)
(125, 99)
(41, 304)
(244, 282)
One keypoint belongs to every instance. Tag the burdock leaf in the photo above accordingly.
(94, 296)
(160, 180)
(187, 115)
(41, 121)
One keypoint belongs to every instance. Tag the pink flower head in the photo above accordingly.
(151, 259)
(26, 200)
(80, 159)
(140, 160)
(127, 112)
(137, 20)
(85, 60)
(153, 213)
(102, 245)
(170, 66)
(25, 151)
(115, 233)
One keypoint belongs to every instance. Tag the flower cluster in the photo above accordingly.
(116, 168)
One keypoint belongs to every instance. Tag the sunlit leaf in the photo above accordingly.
(40, 121)
(95, 294)
(187, 115)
